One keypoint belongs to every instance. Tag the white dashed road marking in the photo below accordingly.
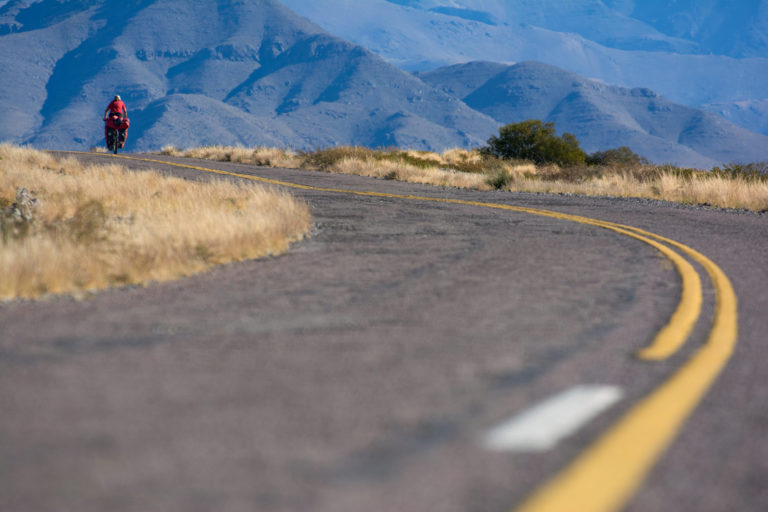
(544, 425)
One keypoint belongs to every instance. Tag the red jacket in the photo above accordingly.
(117, 106)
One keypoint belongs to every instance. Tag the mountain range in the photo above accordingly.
(254, 72)
(599, 115)
(210, 72)
(710, 54)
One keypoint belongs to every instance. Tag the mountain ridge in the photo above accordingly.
(164, 52)
(601, 116)
(713, 53)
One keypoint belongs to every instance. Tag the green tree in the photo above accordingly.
(536, 141)
(620, 156)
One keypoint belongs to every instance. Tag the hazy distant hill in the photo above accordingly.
(751, 114)
(248, 72)
(720, 27)
(601, 116)
(694, 52)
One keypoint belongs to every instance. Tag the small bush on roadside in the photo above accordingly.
(323, 159)
(755, 171)
(536, 141)
(622, 156)
(500, 179)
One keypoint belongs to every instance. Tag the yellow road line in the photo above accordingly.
(667, 341)
(610, 471)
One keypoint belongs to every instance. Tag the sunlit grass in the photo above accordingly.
(99, 226)
(742, 189)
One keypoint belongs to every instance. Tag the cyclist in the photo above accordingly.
(116, 106)
(116, 118)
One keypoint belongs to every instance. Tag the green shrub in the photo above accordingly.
(324, 158)
(622, 156)
(755, 171)
(536, 141)
(499, 179)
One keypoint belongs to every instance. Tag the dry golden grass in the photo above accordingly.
(402, 171)
(470, 169)
(260, 155)
(103, 226)
(699, 189)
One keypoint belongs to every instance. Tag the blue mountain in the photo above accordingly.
(601, 116)
(710, 54)
(210, 72)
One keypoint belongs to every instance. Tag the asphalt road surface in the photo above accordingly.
(369, 368)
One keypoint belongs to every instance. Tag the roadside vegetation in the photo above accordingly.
(525, 157)
(67, 228)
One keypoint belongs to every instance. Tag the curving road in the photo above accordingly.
(412, 355)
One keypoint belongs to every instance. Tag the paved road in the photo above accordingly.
(364, 369)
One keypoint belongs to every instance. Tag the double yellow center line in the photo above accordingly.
(608, 473)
